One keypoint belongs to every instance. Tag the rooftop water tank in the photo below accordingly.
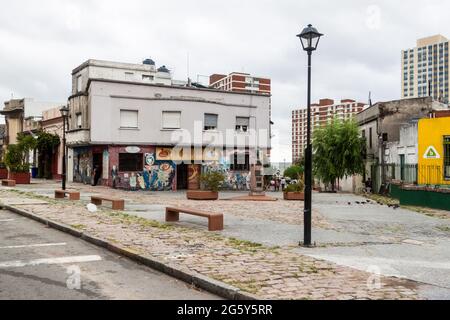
(163, 69)
(149, 62)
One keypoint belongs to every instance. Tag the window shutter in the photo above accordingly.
(211, 120)
(171, 120)
(241, 121)
(128, 119)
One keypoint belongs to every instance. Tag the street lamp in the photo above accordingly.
(65, 114)
(309, 38)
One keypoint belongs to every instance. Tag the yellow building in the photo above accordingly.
(434, 151)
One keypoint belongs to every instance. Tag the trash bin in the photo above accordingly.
(34, 172)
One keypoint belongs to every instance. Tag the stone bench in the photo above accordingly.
(117, 204)
(73, 195)
(215, 220)
(9, 183)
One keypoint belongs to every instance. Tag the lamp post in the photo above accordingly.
(310, 39)
(64, 113)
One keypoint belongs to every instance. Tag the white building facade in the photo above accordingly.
(162, 137)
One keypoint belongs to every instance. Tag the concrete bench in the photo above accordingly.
(9, 183)
(215, 220)
(117, 204)
(73, 195)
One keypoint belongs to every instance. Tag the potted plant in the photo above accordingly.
(295, 191)
(16, 159)
(3, 171)
(211, 181)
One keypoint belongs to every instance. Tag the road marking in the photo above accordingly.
(35, 245)
(50, 261)
(7, 220)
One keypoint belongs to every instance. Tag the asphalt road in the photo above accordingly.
(37, 262)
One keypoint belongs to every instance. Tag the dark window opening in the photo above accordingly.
(240, 162)
(447, 157)
(131, 162)
(211, 121)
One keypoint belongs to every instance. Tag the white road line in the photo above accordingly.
(50, 261)
(7, 220)
(35, 246)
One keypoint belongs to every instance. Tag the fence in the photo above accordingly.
(408, 174)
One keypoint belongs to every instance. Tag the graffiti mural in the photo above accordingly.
(158, 175)
(235, 180)
(82, 168)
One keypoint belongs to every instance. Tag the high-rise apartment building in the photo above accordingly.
(425, 69)
(240, 82)
(321, 114)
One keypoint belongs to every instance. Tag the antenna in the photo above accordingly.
(370, 98)
(188, 65)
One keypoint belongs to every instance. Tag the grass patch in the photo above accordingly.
(130, 219)
(383, 199)
(247, 286)
(78, 226)
(244, 245)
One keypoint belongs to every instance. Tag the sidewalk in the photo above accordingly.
(269, 272)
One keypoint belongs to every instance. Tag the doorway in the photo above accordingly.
(182, 177)
(97, 160)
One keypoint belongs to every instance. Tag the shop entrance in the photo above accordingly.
(97, 162)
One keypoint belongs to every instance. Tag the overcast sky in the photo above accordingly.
(42, 41)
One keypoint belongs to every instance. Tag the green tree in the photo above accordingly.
(338, 152)
(294, 172)
(16, 158)
(46, 144)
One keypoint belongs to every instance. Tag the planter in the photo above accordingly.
(294, 196)
(3, 174)
(20, 177)
(202, 195)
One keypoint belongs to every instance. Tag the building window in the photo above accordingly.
(447, 158)
(129, 119)
(242, 124)
(131, 162)
(79, 120)
(129, 76)
(211, 121)
(147, 77)
(370, 138)
(79, 83)
(240, 161)
(171, 120)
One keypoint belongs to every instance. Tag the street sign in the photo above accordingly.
(431, 153)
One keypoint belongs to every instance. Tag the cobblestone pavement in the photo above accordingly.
(278, 211)
(268, 272)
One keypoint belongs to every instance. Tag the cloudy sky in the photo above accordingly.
(42, 41)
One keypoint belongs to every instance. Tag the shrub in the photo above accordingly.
(297, 187)
(14, 159)
(213, 180)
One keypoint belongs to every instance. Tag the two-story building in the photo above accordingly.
(391, 132)
(156, 136)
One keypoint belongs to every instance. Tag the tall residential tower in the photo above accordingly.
(425, 69)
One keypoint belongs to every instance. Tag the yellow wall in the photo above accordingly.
(431, 133)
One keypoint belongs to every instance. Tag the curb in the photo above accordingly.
(192, 278)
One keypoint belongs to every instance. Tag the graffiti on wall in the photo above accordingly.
(82, 168)
(235, 180)
(155, 176)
